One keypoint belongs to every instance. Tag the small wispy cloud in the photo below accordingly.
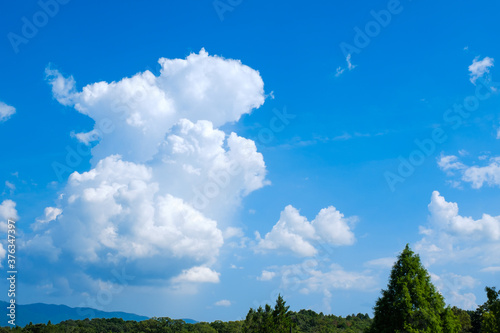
(340, 70)
(350, 66)
(266, 276)
(386, 262)
(6, 111)
(223, 302)
(479, 68)
(50, 214)
(491, 269)
(11, 186)
(317, 139)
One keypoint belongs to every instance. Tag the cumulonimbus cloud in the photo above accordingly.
(163, 177)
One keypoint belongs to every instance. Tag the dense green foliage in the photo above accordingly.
(487, 316)
(153, 325)
(310, 321)
(280, 320)
(464, 319)
(485, 319)
(269, 320)
(411, 303)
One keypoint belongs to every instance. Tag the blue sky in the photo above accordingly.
(194, 159)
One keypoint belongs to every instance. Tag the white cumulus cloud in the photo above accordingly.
(198, 274)
(266, 275)
(480, 175)
(115, 211)
(211, 170)
(444, 215)
(133, 115)
(453, 237)
(294, 233)
(8, 211)
(477, 176)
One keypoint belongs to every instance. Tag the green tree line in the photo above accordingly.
(410, 304)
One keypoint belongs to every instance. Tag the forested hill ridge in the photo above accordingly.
(303, 321)
(411, 303)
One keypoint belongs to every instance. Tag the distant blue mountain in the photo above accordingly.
(40, 313)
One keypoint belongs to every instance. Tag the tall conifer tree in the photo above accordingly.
(411, 303)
